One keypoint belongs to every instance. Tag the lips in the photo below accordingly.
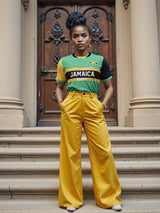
(80, 45)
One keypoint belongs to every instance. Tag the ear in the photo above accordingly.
(71, 41)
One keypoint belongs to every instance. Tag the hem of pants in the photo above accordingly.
(109, 205)
(65, 206)
(77, 205)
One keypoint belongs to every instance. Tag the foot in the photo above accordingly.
(71, 209)
(117, 207)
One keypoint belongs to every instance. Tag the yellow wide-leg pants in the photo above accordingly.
(85, 109)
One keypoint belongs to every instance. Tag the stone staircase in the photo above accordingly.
(29, 167)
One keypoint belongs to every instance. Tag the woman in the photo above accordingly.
(83, 71)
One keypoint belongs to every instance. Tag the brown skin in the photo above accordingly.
(81, 39)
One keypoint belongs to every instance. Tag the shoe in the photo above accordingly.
(71, 209)
(117, 207)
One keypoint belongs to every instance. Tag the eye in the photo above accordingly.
(84, 35)
(75, 36)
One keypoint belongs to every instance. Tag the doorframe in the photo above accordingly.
(72, 2)
(41, 3)
(29, 61)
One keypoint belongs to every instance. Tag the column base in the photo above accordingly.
(11, 113)
(144, 113)
(143, 118)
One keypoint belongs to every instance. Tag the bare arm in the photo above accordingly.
(108, 92)
(59, 92)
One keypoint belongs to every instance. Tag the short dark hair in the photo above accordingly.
(76, 19)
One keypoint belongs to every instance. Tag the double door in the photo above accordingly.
(54, 43)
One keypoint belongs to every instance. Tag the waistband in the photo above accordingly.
(75, 93)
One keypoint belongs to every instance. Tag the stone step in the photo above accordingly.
(55, 131)
(141, 141)
(131, 205)
(52, 154)
(29, 170)
(50, 186)
(124, 168)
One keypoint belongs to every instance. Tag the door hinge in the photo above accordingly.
(113, 107)
(111, 68)
(39, 93)
(41, 107)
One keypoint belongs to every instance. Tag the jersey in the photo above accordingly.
(83, 74)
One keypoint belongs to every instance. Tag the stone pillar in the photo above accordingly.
(11, 106)
(144, 108)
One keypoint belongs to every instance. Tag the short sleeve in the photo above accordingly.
(61, 77)
(105, 71)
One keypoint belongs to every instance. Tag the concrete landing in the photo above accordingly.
(131, 205)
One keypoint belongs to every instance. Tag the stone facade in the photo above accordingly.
(137, 56)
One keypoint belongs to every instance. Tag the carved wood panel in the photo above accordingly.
(54, 43)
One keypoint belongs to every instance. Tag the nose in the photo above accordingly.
(80, 39)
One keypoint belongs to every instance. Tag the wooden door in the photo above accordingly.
(54, 43)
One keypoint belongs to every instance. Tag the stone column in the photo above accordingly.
(144, 108)
(11, 106)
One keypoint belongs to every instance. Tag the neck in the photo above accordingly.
(82, 54)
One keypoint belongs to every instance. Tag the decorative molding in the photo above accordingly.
(109, 17)
(57, 14)
(57, 37)
(126, 3)
(97, 36)
(95, 14)
(57, 30)
(53, 94)
(96, 31)
(42, 17)
(44, 70)
(145, 103)
(11, 104)
(57, 57)
(25, 4)
(111, 68)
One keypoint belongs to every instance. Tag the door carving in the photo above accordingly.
(54, 43)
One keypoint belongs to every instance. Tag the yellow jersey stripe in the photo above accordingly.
(84, 79)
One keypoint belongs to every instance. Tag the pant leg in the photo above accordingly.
(70, 177)
(105, 180)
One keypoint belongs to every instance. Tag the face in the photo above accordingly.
(80, 38)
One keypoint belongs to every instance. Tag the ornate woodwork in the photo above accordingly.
(57, 32)
(54, 43)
